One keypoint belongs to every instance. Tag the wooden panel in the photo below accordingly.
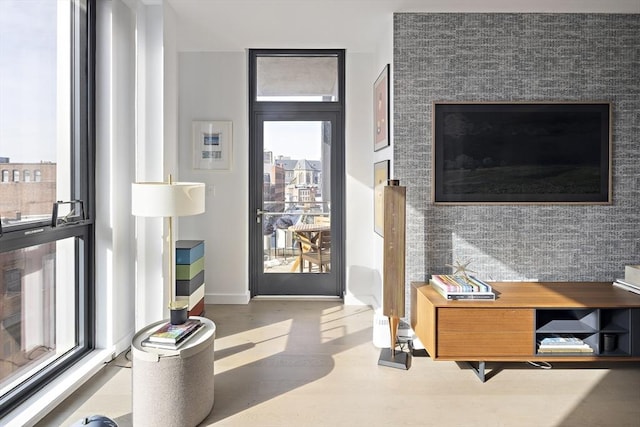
(393, 282)
(468, 333)
(423, 320)
(467, 346)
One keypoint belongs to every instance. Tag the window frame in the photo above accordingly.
(82, 41)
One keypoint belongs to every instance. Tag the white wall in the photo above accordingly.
(213, 86)
(384, 55)
(363, 276)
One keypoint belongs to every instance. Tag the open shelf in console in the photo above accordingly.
(607, 331)
(574, 321)
(615, 339)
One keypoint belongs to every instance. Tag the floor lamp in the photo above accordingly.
(169, 199)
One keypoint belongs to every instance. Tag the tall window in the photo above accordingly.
(46, 125)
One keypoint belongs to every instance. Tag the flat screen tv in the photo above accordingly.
(507, 153)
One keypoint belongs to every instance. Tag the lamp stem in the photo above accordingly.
(171, 250)
(171, 266)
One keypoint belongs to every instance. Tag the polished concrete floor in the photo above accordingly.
(312, 363)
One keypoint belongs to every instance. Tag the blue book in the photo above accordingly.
(188, 251)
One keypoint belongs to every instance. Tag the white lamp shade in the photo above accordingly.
(161, 199)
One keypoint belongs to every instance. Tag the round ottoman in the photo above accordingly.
(173, 387)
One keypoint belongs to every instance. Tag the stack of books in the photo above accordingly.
(190, 275)
(563, 344)
(631, 281)
(456, 287)
(172, 337)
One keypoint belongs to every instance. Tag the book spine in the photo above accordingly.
(462, 284)
(459, 285)
(443, 282)
(452, 296)
(484, 286)
(471, 296)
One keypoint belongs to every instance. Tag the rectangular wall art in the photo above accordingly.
(212, 145)
(381, 110)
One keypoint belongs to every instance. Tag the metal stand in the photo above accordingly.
(479, 371)
(394, 359)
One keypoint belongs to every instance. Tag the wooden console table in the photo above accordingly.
(509, 328)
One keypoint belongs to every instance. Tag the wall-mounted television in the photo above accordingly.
(503, 153)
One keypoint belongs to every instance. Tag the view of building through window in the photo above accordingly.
(33, 64)
(38, 277)
(294, 191)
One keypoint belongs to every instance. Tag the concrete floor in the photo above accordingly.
(302, 363)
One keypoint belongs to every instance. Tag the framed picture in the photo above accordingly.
(381, 110)
(212, 145)
(380, 177)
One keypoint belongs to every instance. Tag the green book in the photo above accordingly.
(189, 271)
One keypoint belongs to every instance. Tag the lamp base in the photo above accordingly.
(178, 313)
(397, 359)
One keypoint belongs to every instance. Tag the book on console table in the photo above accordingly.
(561, 343)
(627, 286)
(632, 274)
(461, 284)
(566, 349)
(468, 296)
(559, 339)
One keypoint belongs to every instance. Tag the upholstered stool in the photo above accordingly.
(173, 387)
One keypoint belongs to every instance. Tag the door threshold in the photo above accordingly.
(297, 297)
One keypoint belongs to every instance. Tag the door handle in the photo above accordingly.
(259, 213)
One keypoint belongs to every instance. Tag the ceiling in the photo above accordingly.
(356, 25)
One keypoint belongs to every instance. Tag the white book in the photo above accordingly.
(632, 274)
(194, 298)
(626, 287)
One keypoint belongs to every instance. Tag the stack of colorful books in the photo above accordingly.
(457, 287)
(190, 275)
(563, 344)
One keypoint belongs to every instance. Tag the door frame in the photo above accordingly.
(290, 111)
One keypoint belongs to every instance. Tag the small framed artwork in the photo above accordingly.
(212, 145)
(381, 110)
(380, 177)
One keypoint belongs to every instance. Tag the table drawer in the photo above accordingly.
(483, 320)
(470, 332)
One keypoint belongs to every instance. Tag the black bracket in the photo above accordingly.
(67, 213)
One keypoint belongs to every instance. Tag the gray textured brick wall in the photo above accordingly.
(518, 57)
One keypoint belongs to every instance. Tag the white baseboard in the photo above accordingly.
(370, 300)
(227, 298)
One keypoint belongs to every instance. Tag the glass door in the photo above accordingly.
(296, 171)
(294, 216)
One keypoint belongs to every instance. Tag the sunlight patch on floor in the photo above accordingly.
(252, 345)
